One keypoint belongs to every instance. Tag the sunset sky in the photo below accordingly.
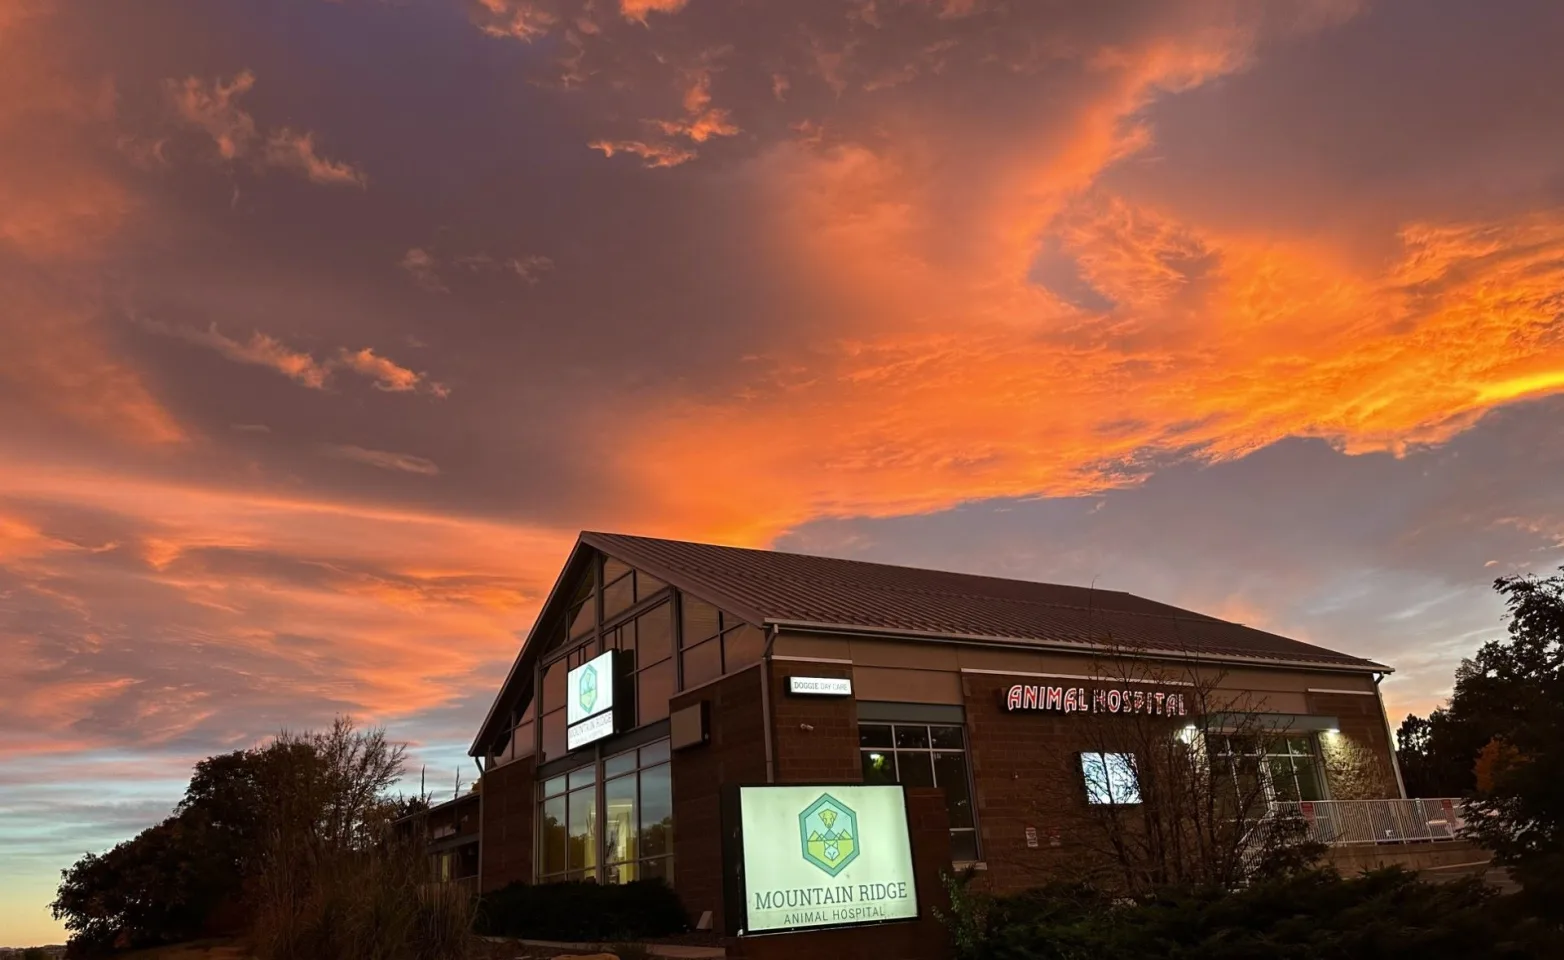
(325, 326)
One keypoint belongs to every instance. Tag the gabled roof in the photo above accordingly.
(795, 591)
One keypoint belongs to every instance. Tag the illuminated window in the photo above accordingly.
(1110, 778)
(610, 822)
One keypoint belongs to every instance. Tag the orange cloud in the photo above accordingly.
(517, 19)
(702, 121)
(263, 350)
(213, 107)
(638, 10)
(290, 150)
(654, 155)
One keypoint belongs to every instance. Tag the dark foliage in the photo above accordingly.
(582, 911)
(1317, 915)
(1518, 806)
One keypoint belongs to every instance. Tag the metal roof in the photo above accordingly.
(827, 593)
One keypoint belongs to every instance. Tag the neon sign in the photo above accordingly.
(1027, 696)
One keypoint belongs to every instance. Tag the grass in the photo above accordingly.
(198, 950)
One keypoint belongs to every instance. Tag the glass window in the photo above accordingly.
(618, 596)
(654, 753)
(874, 735)
(911, 737)
(702, 662)
(614, 569)
(523, 740)
(614, 766)
(554, 684)
(700, 621)
(583, 617)
(620, 826)
(553, 860)
(645, 586)
(950, 772)
(742, 646)
(554, 735)
(879, 767)
(583, 830)
(582, 777)
(915, 768)
(920, 755)
(654, 688)
(654, 634)
(656, 837)
(1110, 778)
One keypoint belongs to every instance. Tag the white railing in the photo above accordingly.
(1340, 822)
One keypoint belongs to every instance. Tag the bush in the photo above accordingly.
(1317, 915)
(582, 911)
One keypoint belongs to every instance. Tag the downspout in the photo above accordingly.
(765, 705)
(1390, 738)
(479, 764)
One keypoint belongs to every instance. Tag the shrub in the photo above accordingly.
(1386, 914)
(582, 911)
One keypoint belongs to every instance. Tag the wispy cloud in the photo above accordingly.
(385, 460)
(301, 366)
(653, 155)
(432, 269)
(213, 106)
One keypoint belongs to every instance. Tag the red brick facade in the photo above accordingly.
(816, 737)
(734, 754)
(506, 854)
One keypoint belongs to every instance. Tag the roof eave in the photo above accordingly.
(1070, 646)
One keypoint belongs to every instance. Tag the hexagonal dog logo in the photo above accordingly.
(828, 829)
(588, 689)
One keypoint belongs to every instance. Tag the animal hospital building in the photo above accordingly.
(803, 743)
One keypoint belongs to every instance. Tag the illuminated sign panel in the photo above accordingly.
(820, 686)
(1026, 696)
(589, 688)
(589, 701)
(824, 856)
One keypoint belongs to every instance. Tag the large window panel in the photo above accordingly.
(618, 596)
(656, 837)
(621, 827)
(554, 832)
(701, 621)
(583, 831)
(741, 646)
(654, 688)
(654, 634)
(702, 662)
(554, 735)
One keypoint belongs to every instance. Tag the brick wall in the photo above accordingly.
(921, 939)
(508, 797)
(1357, 760)
(734, 754)
(816, 737)
(1025, 774)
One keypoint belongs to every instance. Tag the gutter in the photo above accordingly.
(1066, 646)
(765, 706)
(1390, 738)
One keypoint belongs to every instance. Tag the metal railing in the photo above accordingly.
(1341, 822)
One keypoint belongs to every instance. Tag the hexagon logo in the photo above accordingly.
(828, 830)
(588, 689)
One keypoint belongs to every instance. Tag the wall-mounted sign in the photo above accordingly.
(823, 856)
(1026, 696)
(589, 701)
(820, 686)
(589, 730)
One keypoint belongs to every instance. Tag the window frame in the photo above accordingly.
(603, 866)
(931, 751)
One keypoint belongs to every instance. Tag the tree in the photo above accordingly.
(1518, 811)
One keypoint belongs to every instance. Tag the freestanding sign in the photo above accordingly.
(822, 856)
(589, 701)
